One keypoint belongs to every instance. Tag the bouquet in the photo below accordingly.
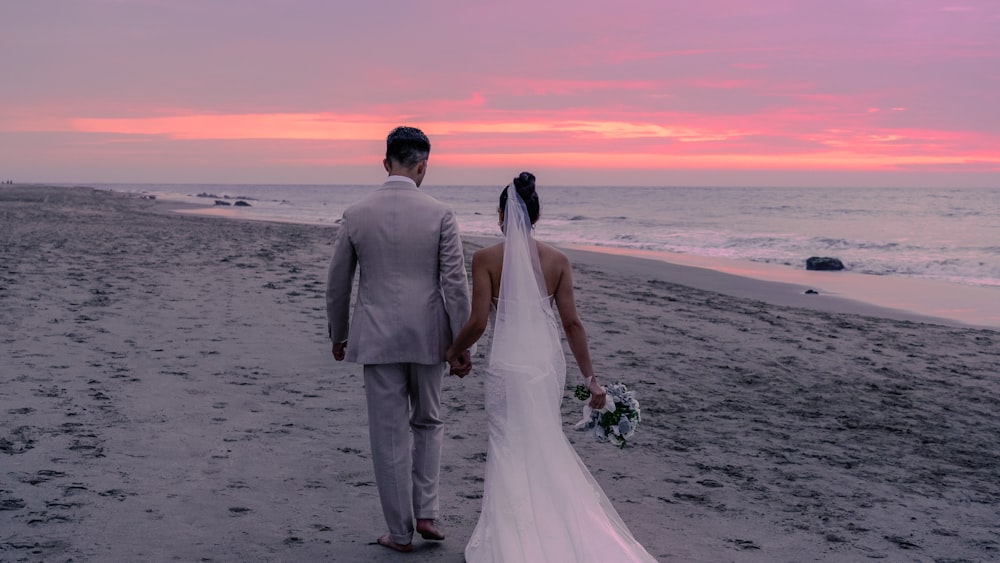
(619, 418)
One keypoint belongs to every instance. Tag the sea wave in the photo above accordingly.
(945, 235)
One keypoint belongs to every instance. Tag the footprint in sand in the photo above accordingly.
(12, 503)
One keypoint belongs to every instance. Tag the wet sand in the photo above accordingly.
(168, 394)
(892, 296)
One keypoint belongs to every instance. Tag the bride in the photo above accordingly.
(540, 503)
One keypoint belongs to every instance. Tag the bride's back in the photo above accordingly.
(552, 261)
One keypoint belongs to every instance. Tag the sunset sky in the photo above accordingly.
(655, 92)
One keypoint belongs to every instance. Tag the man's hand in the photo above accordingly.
(339, 350)
(461, 364)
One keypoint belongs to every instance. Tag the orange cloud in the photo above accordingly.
(316, 126)
(757, 142)
(833, 160)
(334, 127)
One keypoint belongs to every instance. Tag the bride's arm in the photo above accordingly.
(476, 325)
(576, 335)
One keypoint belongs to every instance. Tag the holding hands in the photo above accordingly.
(460, 362)
(339, 350)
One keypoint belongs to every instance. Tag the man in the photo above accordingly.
(413, 297)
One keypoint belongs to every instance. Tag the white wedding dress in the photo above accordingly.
(540, 503)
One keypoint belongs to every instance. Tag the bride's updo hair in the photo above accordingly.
(525, 186)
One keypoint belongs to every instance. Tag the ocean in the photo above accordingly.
(947, 235)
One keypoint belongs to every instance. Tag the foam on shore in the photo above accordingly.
(845, 292)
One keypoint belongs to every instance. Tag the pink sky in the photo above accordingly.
(654, 92)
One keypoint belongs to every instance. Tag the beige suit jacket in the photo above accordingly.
(413, 293)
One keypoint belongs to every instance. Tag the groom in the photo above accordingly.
(413, 297)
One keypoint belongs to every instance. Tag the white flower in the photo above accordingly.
(625, 427)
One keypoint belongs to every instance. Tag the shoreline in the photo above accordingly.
(169, 395)
(890, 297)
(787, 287)
(894, 297)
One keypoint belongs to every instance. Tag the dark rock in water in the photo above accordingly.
(241, 203)
(220, 202)
(824, 263)
(812, 292)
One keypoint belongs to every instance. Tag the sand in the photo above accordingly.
(168, 394)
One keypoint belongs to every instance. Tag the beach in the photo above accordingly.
(169, 395)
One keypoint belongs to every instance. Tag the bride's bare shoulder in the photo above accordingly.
(548, 252)
(490, 254)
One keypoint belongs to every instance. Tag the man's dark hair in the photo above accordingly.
(407, 146)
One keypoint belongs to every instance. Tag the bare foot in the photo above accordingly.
(387, 542)
(428, 531)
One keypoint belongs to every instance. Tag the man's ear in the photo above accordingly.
(386, 164)
(422, 167)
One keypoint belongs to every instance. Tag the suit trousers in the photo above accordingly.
(406, 430)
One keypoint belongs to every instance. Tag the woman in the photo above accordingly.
(540, 502)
